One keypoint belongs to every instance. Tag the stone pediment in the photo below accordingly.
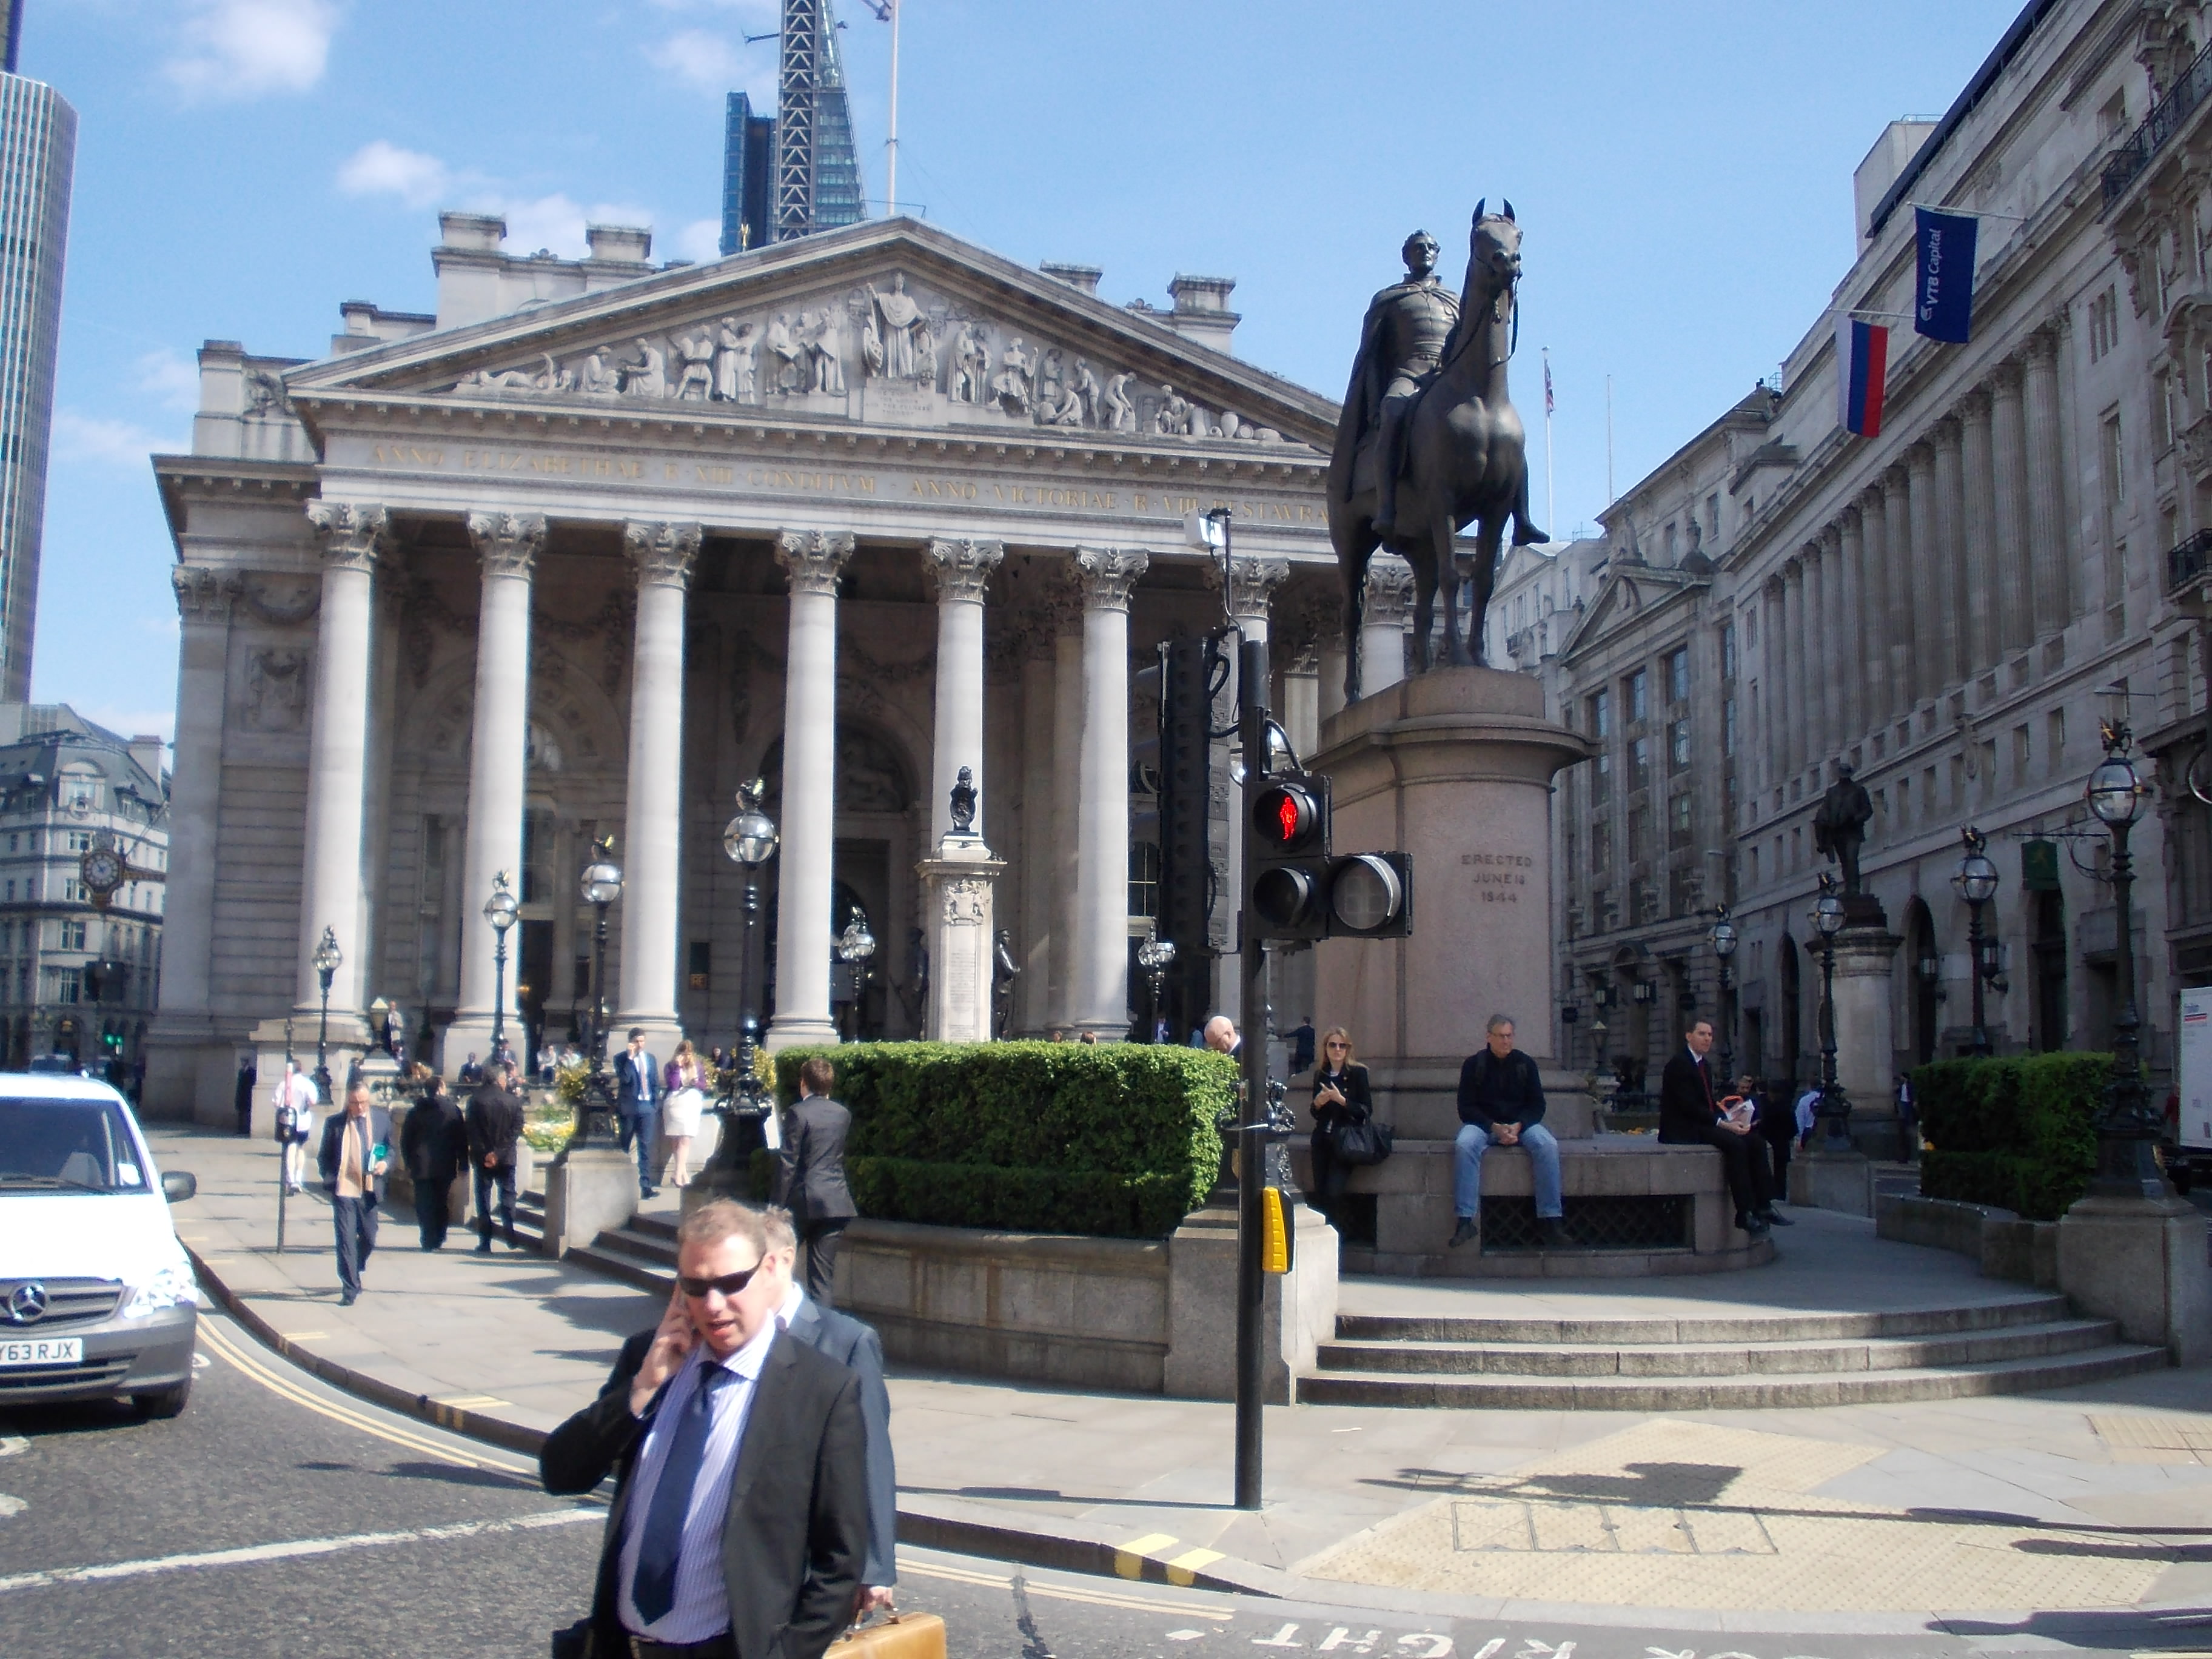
(1629, 591)
(890, 324)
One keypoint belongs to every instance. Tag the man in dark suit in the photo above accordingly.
(354, 1155)
(740, 1519)
(850, 1342)
(495, 1119)
(813, 1185)
(637, 1106)
(434, 1143)
(1690, 1113)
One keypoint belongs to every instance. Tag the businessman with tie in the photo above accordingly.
(739, 1524)
(1690, 1112)
(637, 1107)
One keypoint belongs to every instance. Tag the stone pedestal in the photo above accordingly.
(1454, 767)
(1865, 1042)
(2141, 1262)
(1300, 1312)
(1843, 1182)
(587, 1192)
(956, 899)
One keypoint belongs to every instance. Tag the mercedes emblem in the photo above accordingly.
(27, 1304)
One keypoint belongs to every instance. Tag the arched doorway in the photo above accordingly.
(2047, 946)
(1788, 1027)
(1926, 966)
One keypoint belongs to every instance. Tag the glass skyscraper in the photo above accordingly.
(798, 171)
(38, 153)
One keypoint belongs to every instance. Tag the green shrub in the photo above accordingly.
(1118, 1140)
(2018, 1133)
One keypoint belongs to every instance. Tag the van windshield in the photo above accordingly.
(66, 1145)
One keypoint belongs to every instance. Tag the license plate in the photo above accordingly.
(44, 1350)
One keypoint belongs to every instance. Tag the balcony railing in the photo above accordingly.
(2188, 565)
(2130, 161)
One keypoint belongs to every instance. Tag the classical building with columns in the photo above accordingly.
(582, 552)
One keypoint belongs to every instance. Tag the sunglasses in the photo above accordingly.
(1336, 1045)
(728, 1283)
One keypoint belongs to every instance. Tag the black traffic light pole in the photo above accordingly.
(1252, 1109)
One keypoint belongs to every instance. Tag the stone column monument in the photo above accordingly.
(958, 886)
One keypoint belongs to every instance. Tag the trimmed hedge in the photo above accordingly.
(2018, 1133)
(1115, 1140)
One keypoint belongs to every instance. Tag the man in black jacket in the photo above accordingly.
(1501, 1104)
(740, 1518)
(813, 1187)
(494, 1124)
(1690, 1113)
(432, 1143)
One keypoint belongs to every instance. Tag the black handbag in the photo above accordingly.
(1363, 1141)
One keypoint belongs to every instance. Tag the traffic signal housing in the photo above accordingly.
(1302, 891)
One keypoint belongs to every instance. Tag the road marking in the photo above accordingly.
(1129, 1558)
(473, 1401)
(303, 1336)
(1063, 1593)
(287, 1390)
(1182, 1570)
(12, 1445)
(11, 1506)
(253, 1553)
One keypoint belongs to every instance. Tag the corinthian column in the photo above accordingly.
(962, 571)
(2008, 466)
(1100, 1002)
(1850, 639)
(1796, 645)
(507, 545)
(352, 536)
(1949, 572)
(1387, 605)
(1930, 663)
(1978, 464)
(2046, 548)
(1896, 589)
(814, 559)
(1873, 611)
(662, 555)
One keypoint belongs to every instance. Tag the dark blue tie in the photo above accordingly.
(658, 1552)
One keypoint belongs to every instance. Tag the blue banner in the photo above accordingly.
(1943, 280)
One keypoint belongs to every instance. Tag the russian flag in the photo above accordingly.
(1861, 354)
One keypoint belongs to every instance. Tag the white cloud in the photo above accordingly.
(170, 378)
(235, 49)
(381, 167)
(700, 240)
(104, 442)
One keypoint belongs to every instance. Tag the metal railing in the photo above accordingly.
(2188, 564)
(2132, 159)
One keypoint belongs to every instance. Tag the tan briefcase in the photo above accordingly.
(902, 1636)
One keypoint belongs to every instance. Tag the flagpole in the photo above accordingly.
(1608, 440)
(1551, 503)
(891, 182)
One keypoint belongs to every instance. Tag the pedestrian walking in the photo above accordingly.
(494, 1123)
(242, 1100)
(432, 1143)
(1303, 1052)
(353, 1157)
(813, 1186)
(1501, 1104)
(679, 1109)
(1777, 1125)
(638, 1089)
(1341, 1096)
(1808, 1114)
(692, 1561)
(1690, 1112)
(295, 1100)
(1908, 1121)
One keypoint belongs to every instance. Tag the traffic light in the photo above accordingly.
(1187, 675)
(1301, 890)
(1371, 896)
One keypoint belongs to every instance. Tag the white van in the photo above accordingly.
(97, 1297)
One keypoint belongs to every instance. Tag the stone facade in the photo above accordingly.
(598, 542)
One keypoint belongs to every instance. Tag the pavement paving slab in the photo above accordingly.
(1994, 1513)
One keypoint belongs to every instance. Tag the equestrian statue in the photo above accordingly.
(1428, 442)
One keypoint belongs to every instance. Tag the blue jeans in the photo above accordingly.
(642, 1127)
(1467, 1169)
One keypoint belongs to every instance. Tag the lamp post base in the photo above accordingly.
(1840, 1180)
(2141, 1261)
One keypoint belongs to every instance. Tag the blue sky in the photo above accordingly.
(1681, 172)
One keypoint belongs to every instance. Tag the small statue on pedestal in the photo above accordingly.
(1840, 827)
(963, 803)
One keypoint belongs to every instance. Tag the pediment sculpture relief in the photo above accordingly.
(883, 351)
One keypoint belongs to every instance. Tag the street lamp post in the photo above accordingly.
(1977, 884)
(750, 840)
(500, 911)
(1835, 1109)
(2128, 1133)
(601, 885)
(1724, 942)
(328, 960)
(1154, 955)
(856, 944)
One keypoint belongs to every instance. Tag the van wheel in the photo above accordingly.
(163, 1402)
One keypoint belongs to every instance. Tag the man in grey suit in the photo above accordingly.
(637, 1106)
(813, 1177)
(850, 1342)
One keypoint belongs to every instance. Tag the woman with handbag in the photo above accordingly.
(680, 1109)
(1341, 1099)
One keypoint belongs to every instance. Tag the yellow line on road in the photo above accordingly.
(1063, 1593)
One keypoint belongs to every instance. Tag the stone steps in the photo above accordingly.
(1719, 1359)
(643, 1254)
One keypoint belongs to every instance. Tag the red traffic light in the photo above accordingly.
(1290, 818)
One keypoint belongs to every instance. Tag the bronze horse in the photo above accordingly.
(1465, 462)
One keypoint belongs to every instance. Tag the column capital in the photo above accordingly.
(2042, 348)
(1306, 660)
(663, 550)
(961, 568)
(814, 559)
(1252, 583)
(1946, 432)
(203, 595)
(352, 535)
(1919, 460)
(1388, 590)
(1110, 575)
(2004, 379)
(507, 544)
(1974, 406)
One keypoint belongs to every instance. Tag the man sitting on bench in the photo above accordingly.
(1690, 1114)
(1501, 1104)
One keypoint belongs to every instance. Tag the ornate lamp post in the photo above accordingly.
(856, 944)
(2127, 1165)
(1724, 942)
(750, 840)
(328, 958)
(1977, 884)
(1835, 1111)
(601, 885)
(1154, 955)
(500, 911)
